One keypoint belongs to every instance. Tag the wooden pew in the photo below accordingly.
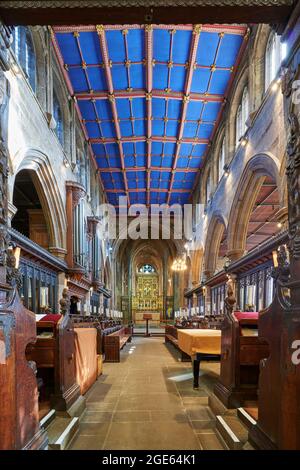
(241, 353)
(53, 354)
(88, 364)
(90, 322)
(200, 344)
(171, 336)
(208, 321)
(114, 342)
(19, 417)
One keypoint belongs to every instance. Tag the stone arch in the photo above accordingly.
(196, 266)
(215, 231)
(119, 241)
(257, 168)
(49, 194)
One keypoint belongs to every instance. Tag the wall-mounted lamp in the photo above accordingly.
(16, 252)
(275, 259)
(66, 163)
(244, 141)
(279, 225)
(17, 255)
(226, 169)
(15, 68)
(276, 84)
(226, 265)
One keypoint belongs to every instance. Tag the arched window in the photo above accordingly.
(58, 116)
(208, 187)
(25, 54)
(242, 116)
(275, 53)
(221, 161)
(147, 269)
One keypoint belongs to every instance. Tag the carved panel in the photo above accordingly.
(140, 3)
(293, 176)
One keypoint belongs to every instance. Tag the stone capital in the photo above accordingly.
(236, 254)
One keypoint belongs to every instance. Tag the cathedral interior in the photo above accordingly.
(150, 225)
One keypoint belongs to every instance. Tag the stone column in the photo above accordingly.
(207, 295)
(75, 192)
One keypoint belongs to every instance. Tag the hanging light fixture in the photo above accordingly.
(179, 264)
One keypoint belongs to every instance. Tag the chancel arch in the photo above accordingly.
(167, 286)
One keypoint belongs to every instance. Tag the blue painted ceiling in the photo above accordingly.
(150, 99)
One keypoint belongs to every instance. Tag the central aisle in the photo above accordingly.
(147, 402)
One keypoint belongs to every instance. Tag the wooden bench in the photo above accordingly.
(53, 354)
(242, 352)
(171, 336)
(114, 342)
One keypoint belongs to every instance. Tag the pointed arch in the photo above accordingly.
(49, 194)
(257, 169)
(196, 265)
(216, 228)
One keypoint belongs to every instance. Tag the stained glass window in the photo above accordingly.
(147, 269)
(25, 54)
(57, 114)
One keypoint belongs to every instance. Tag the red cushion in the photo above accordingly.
(246, 315)
(54, 317)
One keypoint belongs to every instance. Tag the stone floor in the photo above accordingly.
(147, 402)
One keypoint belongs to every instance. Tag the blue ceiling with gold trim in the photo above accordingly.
(150, 99)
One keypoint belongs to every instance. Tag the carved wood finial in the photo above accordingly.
(282, 271)
(65, 302)
(13, 274)
(230, 300)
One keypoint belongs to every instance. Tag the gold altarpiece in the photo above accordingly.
(147, 298)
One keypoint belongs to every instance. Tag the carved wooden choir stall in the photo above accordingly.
(19, 418)
(278, 424)
(54, 355)
(241, 353)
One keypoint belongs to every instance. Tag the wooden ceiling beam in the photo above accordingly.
(89, 12)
